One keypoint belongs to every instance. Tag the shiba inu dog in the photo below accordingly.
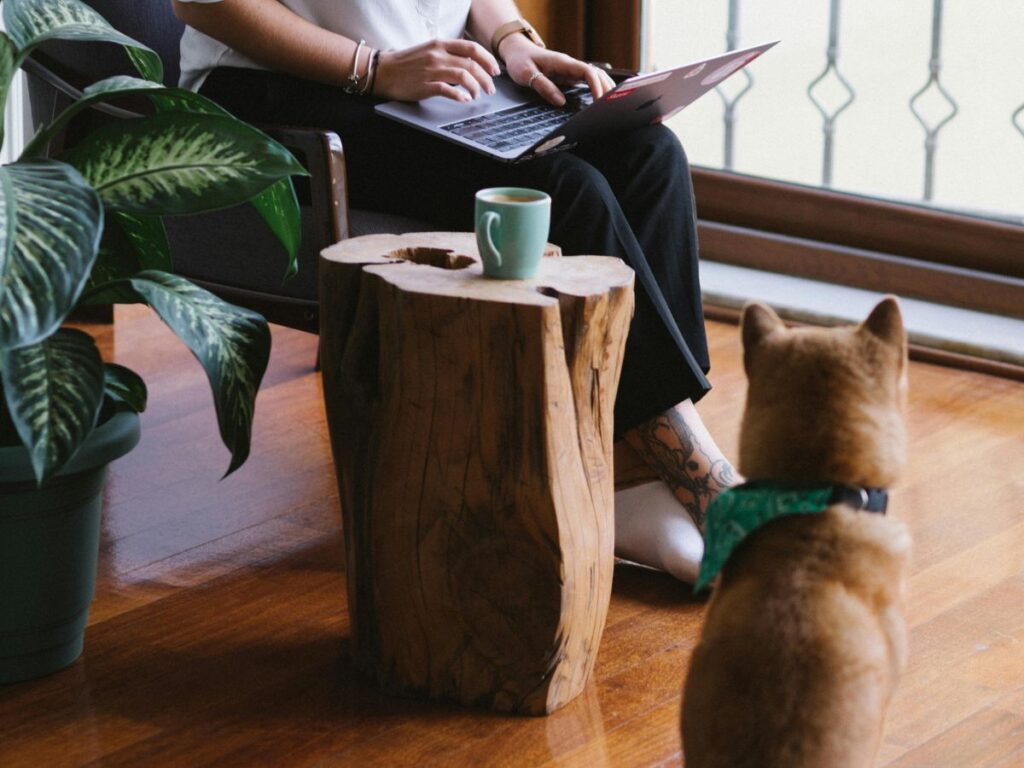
(804, 638)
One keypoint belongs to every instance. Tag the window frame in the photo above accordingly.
(911, 250)
(914, 250)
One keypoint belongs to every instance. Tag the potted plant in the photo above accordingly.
(85, 228)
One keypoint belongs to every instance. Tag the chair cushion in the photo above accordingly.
(234, 248)
(362, 222)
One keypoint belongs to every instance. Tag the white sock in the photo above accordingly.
(653, 528)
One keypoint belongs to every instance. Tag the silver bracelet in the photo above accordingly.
(371, 70)
(353, 79)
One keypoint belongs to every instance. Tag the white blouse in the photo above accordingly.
(387, 24)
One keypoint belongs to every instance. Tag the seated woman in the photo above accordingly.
(324, 63)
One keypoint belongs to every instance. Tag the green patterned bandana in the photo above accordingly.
(737, 512)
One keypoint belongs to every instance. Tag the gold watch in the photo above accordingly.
(512, 28)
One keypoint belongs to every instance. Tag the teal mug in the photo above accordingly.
(512, 225)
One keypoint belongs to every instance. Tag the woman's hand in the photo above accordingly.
(538, 68)
(436, 68)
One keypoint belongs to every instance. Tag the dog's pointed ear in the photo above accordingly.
(886, 322)
(758, 323)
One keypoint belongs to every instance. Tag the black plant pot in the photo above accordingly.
(49, 543)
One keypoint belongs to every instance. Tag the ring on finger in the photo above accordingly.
(534, 76)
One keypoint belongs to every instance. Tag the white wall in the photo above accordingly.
(17, 124)
(17, 120)
(884, 48)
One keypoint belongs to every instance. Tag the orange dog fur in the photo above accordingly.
(804, 638)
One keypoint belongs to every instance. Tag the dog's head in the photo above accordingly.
(824, 405)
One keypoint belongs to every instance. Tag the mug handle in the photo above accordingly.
(489, 252)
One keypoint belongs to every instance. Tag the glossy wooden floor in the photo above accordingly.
(218, 635)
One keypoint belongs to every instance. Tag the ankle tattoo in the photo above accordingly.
(670, 445)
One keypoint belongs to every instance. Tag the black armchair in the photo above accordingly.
(231, 252)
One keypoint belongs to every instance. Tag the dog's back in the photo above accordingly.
(804, 638)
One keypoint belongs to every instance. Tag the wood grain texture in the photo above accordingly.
(219, 634)
(613, 32)
(825, 216)
(472, 426)
(859, 268)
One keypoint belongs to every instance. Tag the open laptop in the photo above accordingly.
(516, 124)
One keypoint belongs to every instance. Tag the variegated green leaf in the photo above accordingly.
(171, 163)
(277, 205)
(184, 100)
(147, 62)
(116, 261)
(50, 226)
(31, 22)
(232, 343)
(104, 90)
(118, 85)
(125, 386)
(130, 245)
(149, 239)
(8, 66)
(54, 390)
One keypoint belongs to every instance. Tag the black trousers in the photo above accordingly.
(628, 195)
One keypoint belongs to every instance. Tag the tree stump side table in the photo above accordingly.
(471, 425)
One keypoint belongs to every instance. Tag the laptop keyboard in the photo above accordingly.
(522, 125)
